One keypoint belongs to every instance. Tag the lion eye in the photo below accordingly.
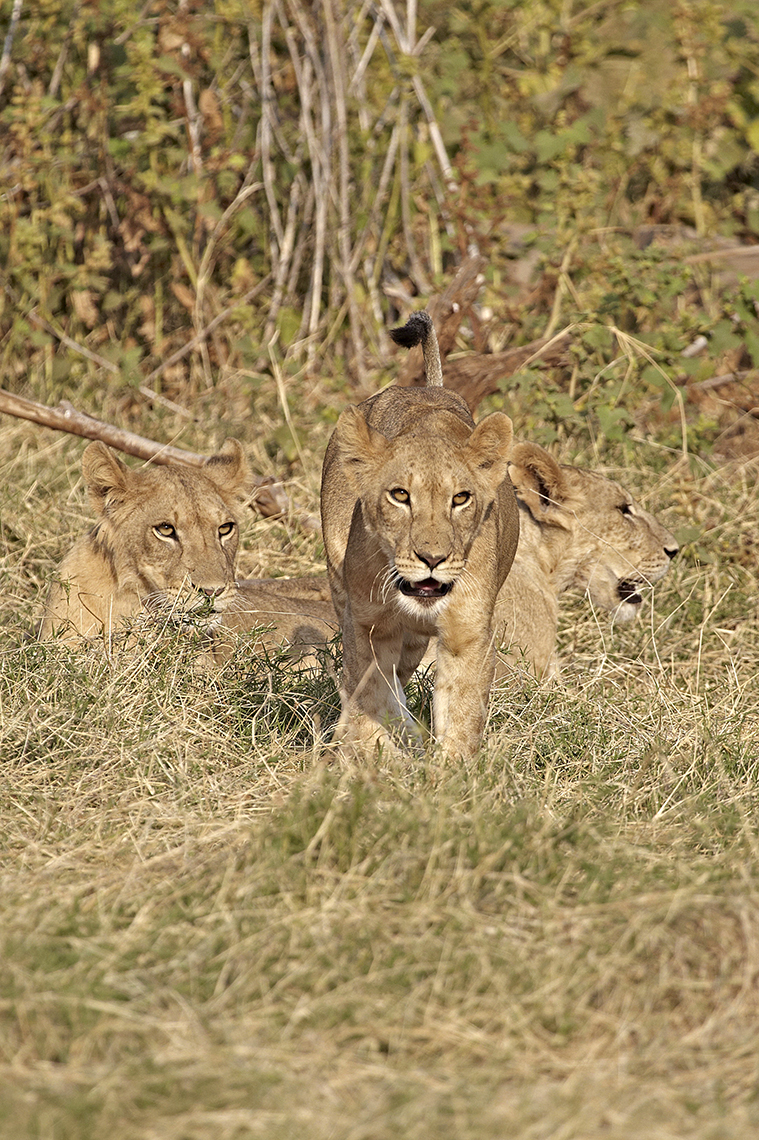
(400, 495)
(625, 509)
(165, 530)
(460, 498)
(225, 529)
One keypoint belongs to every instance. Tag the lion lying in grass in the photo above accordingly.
(420, 527)
(166, 538)
(578, 531)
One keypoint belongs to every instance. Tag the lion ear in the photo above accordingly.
(107, 478)
(539, 483)
(491, 443)
(229, 470)
(359, 445)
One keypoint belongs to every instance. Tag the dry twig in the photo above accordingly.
(269, 498)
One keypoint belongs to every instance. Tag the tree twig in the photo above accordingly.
(205, 332)
(181, 352)
(269, 498)
(8, 45)
(72, 344)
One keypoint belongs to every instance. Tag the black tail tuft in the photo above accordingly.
(415, 331)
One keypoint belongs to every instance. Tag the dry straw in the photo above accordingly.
(209, 932)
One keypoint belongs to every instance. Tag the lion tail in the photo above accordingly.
(419, 329)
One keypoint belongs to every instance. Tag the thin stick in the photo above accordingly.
(8, 45)
(72, 344)
(270, 498)
(208, 329)
(183, 351)
(206, 262)
(335, 51)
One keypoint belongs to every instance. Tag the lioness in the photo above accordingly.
(581, 531)
(165, 535)
(420, 527)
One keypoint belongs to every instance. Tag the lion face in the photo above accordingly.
(425, 514)
(182, 551)
(165, 536)
(624, 549)
(610, 547)
(172, 532)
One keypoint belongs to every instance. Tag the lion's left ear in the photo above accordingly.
(229, 470)
(491, 444)
(360, 447)
(541, 485)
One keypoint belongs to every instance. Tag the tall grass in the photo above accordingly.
(209, 930)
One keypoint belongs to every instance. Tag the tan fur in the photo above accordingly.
(165, 536)
(294, 613)
(420, 527)
(578, 531)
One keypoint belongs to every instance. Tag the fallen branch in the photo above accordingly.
(720, 381)
(269, 499)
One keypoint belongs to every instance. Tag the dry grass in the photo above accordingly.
(208, 932)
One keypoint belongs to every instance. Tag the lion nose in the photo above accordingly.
(671, 551)
(211, 591)
(431, 560)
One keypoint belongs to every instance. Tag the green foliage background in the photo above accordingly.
(303, 174)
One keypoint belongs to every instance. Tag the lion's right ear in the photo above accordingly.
(360, 447)
(539, 483)
(105, 475)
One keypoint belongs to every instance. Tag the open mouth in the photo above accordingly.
(428, 590)
(628, 592)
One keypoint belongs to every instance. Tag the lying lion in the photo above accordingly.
(578, 531)
(165, 537)
(420, 528)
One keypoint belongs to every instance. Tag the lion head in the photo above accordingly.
(164, 536)
(610, 547)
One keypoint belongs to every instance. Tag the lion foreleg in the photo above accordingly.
(460, 698)
(414, 649)
(374, 703)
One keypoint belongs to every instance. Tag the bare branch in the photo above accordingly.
(267, 115)
(269, 499)
(8, 45)
(335, 46)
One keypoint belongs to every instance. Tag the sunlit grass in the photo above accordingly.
(210, 930)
